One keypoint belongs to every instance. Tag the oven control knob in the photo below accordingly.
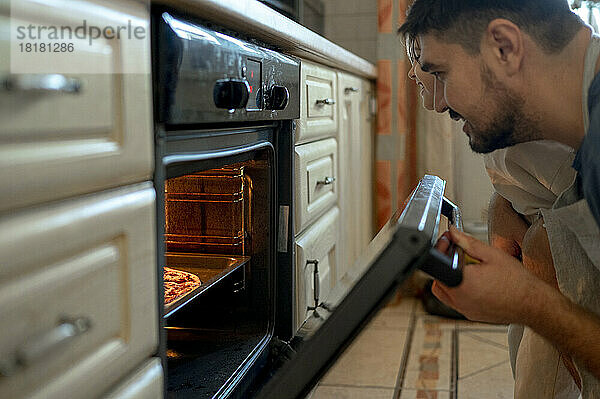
(277, 98)
(231, 93)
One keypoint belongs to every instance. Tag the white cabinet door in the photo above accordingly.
(318, 244)
(356, 168)
(318, 103)
(56, 144)
(316, 180)
(78, 294)
(145, 383)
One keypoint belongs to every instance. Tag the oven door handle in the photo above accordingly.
(423, 211)
(447, 267)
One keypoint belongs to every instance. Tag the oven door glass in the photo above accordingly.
(218, 267)
(404, 244)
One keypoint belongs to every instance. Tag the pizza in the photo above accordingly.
(178, 283)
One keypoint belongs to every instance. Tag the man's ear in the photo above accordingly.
(503, 47)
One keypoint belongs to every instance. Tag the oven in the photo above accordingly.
(224, 115)
(225, 111)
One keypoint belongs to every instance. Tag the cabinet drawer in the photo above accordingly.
(319, 243)
(144, 383)
(316, 185)
(79, 293)
(318, 103)
(55, 144)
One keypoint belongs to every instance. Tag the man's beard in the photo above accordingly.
(509, 126)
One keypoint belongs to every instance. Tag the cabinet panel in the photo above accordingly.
(145, 383)
(319, 243)
(318, 103)
(355, 168)
(55, 143)
(78, 294)
(316, 183)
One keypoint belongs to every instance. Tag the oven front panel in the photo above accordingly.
(205, 76)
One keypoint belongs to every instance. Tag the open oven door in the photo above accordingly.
(403, 245)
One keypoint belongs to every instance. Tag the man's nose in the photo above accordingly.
(411, 73)
(440, 104)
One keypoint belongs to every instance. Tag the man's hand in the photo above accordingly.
(493, 290)
(500, 290)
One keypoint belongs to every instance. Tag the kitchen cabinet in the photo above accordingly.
(66, 134)
(316, 189)
(318, 103)
(334, 168)
(78, 294)
(316, 184)
(355, 168)
(145, 383)
(317, 251)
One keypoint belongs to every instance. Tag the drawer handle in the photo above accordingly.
(51, 83)
(43, 344)
(326, 101)
(326, 182)
(316, 283)
(348, 90)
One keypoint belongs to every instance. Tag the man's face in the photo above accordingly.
(493, 115)
(431, 90)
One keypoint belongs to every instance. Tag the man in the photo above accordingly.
(513, 71)
(525, 182)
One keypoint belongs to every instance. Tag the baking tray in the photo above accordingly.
(209, 268)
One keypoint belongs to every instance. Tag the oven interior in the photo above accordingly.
(218, 224)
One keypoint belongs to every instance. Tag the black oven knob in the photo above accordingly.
(277, 98)
(231, 93)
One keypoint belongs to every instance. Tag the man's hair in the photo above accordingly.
(550, 23)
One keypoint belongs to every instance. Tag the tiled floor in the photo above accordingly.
(405, 353)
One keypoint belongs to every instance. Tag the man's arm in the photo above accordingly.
(506, 228)
(501, 290)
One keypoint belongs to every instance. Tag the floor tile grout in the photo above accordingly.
(482, 370)
(481, 330)
(357, 386)
(406, 352)
(402, 385)
(455, 364)
(484, 340)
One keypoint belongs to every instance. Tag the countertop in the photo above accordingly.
(261, 22)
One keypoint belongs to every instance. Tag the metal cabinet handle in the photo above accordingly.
(44, 344)
(326, 101)
(348, 90)
(51, 83)
(316, 282)
(326, 181)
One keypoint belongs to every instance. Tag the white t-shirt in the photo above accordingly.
(531, 175)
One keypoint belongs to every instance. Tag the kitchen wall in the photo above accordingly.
(352, 24)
